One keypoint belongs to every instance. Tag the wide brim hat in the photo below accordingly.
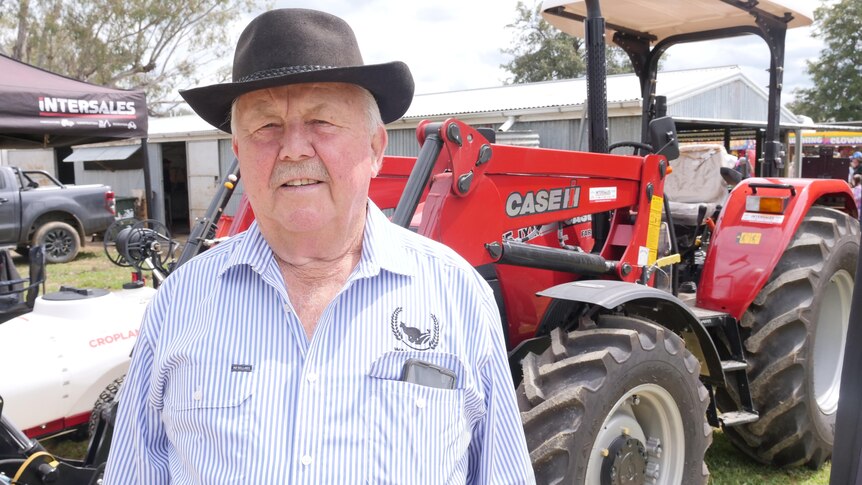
(291, 46)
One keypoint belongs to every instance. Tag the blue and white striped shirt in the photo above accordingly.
(225, 387)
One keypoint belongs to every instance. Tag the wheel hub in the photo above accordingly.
(626, 462)
(57, 243)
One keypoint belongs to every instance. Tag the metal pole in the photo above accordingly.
(597, 95)
(148, 186)
(773, 30)
(797, 159)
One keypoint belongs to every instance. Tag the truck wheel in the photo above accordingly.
(60, 240)
(620, 403)
(106, 398)
(797, 326)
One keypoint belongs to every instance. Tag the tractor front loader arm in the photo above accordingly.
(474, 193)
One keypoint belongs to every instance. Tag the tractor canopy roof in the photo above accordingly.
(659, 20)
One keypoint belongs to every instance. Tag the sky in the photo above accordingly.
(456, 44)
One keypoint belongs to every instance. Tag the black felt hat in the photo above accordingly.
(292, 45)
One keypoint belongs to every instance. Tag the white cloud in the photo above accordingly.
(448, 44)
(456, 44)
(752, 54)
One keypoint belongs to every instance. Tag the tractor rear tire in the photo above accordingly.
(620, 403)
(794, 334)
(60, 240)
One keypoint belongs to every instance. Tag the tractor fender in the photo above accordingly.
(746, 246)
(656, 305)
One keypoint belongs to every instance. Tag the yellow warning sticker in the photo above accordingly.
(655, 208)
(748, 238)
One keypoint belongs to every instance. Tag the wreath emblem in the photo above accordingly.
(415, 337)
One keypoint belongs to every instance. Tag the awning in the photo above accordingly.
(101, 154)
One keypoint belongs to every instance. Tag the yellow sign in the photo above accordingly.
(655, 208)
(748, 238)
(828, 138)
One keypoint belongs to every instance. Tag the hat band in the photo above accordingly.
(281, 71)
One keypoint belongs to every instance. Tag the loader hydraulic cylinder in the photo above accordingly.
(543, 257)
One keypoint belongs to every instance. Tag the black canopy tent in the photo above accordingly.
(41, 109)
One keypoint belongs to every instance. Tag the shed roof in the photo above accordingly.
(550, 96)
(622, 89)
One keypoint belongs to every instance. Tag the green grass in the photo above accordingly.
(727, 465)
(91, 269)
(67, 446)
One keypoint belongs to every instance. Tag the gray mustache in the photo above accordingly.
(305, 169)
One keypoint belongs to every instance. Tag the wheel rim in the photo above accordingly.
(830, 335)
(649, 414)
(58, 242)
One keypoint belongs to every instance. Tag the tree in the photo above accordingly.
(543, 53)
(837, 74)
(154, 45)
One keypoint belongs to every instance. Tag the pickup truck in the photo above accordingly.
(35, 208)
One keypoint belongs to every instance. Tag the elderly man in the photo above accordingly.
(284, 355)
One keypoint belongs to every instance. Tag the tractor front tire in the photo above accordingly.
(60, 240)
(796, 330)
(619, 403)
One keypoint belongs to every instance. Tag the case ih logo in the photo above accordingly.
(518, 204)
(86, 108)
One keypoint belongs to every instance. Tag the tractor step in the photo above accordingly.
(709, 318)
(735, 418)
(725, 332)
(733, 365)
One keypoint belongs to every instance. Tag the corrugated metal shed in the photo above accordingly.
(710, 93)
(554, 109)
(687, 91)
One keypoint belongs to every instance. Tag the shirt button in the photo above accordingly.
(420, 402)
(305, 460)
(197, 395)
(311, 377)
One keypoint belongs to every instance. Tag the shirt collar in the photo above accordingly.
(381, 248)
(251, 250)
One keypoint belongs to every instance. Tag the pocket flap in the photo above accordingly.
(209, 386)
(389, 365)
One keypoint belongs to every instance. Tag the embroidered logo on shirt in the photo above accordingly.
(240, 368)
(415, 337)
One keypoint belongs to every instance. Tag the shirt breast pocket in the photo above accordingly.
(207, 410)
(415, 434)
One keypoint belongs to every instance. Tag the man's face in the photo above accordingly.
(307, 153)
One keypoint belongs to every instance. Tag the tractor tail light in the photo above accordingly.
(110, 202)
(769, 205)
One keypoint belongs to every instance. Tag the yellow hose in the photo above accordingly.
(52, 461)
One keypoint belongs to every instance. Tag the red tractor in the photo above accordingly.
(637, 322)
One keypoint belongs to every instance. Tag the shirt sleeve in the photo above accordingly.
(498, 451)
(138, 453)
